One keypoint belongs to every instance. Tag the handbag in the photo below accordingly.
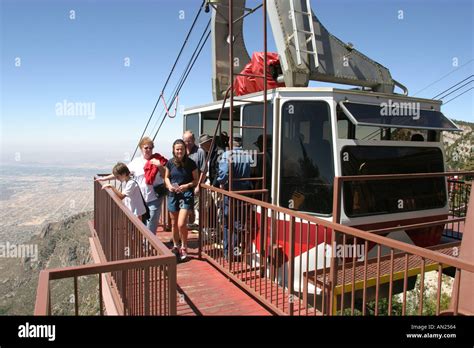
(160, 190)
(146, 216)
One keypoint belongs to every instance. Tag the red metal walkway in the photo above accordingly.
(203, 290)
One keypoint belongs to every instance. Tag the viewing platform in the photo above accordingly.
(203, 290)
(138, 275)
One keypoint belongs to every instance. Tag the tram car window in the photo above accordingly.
(306, 163)
(392, 196)
(209, 120)
(253, 140)
(191, 122)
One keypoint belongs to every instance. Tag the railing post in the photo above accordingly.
(263, 242)
(146, 304)
(336, 216)
(76, 297)
(333, 270)
(101, 306)
(291, 271)
(172, 291)
(230, 231)
(43, 299)
(456, 290)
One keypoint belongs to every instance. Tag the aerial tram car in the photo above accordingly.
(315, 134)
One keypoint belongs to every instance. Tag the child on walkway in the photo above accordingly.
(130, 195)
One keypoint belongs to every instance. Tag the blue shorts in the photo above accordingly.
(177, 201)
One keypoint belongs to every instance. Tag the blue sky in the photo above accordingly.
(82, 60)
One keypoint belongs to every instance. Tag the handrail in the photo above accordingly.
(290, 261)
(399, 176)
(121, 235)
(42, 306)
(413, 249)
(106, 267)
(118, 230)
(155, 242)
(415, 226)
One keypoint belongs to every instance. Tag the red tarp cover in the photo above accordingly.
(245, 85)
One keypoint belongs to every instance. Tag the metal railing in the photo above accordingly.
(120, 233)
(164, 221)
(458, 195)
(297, 264)
(139, 269)
(140, 293)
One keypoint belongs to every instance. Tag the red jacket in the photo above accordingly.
(250, 84)
(151, 170)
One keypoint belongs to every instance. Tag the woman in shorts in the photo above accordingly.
(181, 177)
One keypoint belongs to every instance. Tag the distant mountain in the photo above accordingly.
(459, 147)
(60, 244)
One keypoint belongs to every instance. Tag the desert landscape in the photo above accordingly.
(44, 210)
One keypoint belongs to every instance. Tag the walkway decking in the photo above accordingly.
(203, 290)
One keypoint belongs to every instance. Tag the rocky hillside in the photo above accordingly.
(459, 147)
(59, 244)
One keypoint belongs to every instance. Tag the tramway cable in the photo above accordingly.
(439, 94)
(170, 74)
(443, 77)
(186, 73)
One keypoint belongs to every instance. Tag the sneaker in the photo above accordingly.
(175, 250)
(183, 254)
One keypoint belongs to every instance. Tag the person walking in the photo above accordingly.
(181, 177)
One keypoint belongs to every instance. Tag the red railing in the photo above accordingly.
(120, 233)
(141, 297)
(297, 264)
(139, 269)
(459, 192)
